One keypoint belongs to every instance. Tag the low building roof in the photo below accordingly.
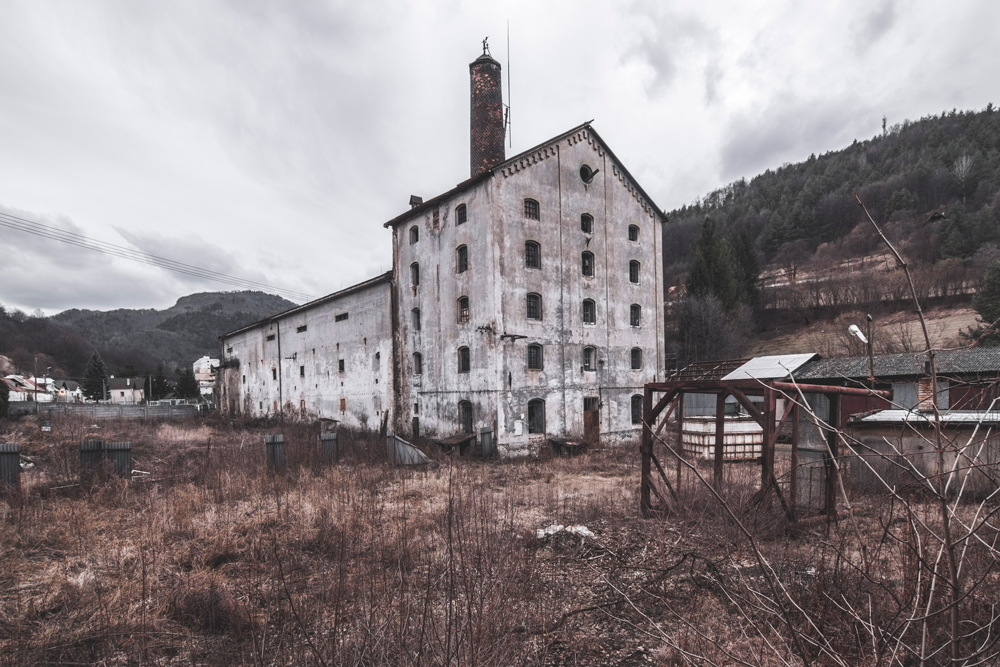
(907, 364)
(125, 383)
(772, 367)
(952, 417)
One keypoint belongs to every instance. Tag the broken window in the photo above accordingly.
(587, 263)
(587, 223)
(532, 255)
(340, 365)
(589, 311)
(636, 358)
(465, 416)
(463, 309)
(633, 232)
(415, 274)
(414, 234)
(635, 315)
(531, 209)
(590, 358)
(418, 363)
(462, 258)
(534, 306)
(461, 214)
(415, 319)
(536, 416)
(463, 360)
(633, 272)
(535, 360)
(636, 408)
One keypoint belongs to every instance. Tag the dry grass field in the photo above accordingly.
(213, 559)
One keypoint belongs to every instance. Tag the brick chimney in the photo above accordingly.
(487, 135)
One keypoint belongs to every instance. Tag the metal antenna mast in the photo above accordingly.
(506, 120)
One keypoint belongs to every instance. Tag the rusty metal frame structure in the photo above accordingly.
(662, 399)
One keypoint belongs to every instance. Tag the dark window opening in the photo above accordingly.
(343, 405)
(301, 328)
(633, 271)
(635, 315)
(637, 408)
(463, 360)
(414, 234)
(591, 403)
(633, 232)
(535, 359)
(418, 363)
(531, 209)
(587, 223)
(340, 365)
(589, 359)
(463, 310)
(536, 416)
(415, 318)
(636, 358)
(462, 258)
(415, 425)
(416, 408)
(270, 336)
(587, 262)
(415, 274)
(465, 416)
(589, 311)
(534, 306)
(274, 373)
(302, 371)
(340, 318)
(532, 255)
(461, 214)
(587, 173)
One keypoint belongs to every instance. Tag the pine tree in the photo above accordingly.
(711, 270)
(4, 398)
(987, 304)
(746, 269)
(159, 386)
(187, 386)
(95, 378)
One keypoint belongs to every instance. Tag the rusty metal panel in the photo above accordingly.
(120, 456)
(402, 452)
(10, 463)
(91, 455)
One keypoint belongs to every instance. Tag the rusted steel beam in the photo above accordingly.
(720, 439)
(757, 387)
(830, 389)
(659, 469)
(750, 407)
(680, 436)
(646, 451)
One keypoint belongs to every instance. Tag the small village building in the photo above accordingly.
(204, 374)
(126, 390)
(526, 302)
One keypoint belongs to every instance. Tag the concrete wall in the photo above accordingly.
(290, 365)
(499, 385)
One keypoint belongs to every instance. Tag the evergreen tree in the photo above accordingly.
(159, 387)
(95, 378)
(4, 398)
(187, 386)
(711, 270)
(987, 304)
(746, 268)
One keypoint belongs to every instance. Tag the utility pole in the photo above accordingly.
(871, 354)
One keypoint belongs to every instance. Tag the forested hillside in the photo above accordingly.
(948, 163)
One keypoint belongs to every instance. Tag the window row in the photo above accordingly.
(535, 359)
(532, 211)
(533, 260)
(534, 310)
(461, 217)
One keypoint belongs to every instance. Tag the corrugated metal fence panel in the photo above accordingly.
(328, 448)
(403, 453)
(120, 455)
(91, 454)
(487, 443)
(10, 463)
(275, 446)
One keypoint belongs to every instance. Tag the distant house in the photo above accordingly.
(126, 390)
(68, 391)
(204, 375)
(25, 389)
(18, 390)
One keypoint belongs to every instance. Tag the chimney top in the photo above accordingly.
(415, 201)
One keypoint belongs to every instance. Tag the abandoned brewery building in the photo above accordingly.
(526, 301)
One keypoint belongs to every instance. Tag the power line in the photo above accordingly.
(81, 241)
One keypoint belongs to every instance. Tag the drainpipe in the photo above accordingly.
(281, 397)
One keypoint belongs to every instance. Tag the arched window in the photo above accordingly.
(531, 209)
(414, 234)
(534, 306)
(633, 272)
(415, 274)
(418, 363)
(589, 311)
(587, 223)
(536, 416)
(461, 214)
(463, 309)
(535, 360)
(636, 358)
(463, 360)
(635, 315)
(590, 358)
(633, 232)
(415, 318)
(465, 416)
(636, 408)
(462, 259)
(532, 255)
(587, 263)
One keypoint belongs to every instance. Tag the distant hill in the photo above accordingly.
(948, 163)
(175, 336)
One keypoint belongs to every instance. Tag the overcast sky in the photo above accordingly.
(271, 140)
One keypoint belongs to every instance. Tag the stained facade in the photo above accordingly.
(526, 301)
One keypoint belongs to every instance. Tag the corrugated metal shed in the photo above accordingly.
(771, 367)
(907, 364)
(953, 417)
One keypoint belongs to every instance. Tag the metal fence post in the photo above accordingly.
(10, 463)
(275, 446)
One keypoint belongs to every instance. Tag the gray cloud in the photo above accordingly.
(876, 24)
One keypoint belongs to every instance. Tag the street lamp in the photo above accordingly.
(855, 331)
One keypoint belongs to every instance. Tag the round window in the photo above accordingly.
(586, 173)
